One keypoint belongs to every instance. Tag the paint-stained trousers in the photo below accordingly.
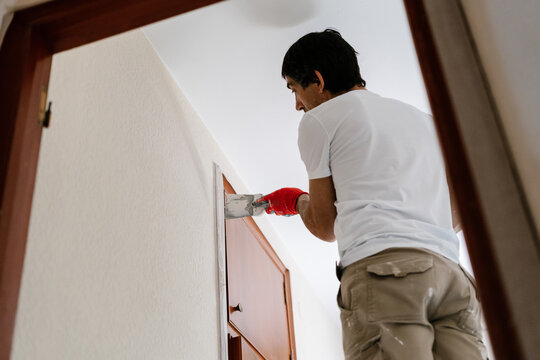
(409, 304)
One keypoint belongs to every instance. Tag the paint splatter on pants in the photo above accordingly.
(409, 304)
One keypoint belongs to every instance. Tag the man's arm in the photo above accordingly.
(317, 209)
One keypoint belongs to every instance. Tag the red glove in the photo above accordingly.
(283, 201)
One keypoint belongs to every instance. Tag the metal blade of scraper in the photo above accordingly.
(241, 205)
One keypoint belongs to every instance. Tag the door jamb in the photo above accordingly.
(497, 222)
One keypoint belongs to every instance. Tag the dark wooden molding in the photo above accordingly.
(488, 268)
(33, 36)
(25, 64)
(66, 24)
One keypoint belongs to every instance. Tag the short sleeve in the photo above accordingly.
(314, 146)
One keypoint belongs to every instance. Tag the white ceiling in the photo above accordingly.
(226, 59)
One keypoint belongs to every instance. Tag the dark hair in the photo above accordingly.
(328, 53)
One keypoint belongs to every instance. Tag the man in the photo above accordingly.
(377, 184)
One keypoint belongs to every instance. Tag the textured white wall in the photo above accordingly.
(507, 38)
(120, 260)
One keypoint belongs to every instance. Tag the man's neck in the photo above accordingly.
(358, 87)
(355, 87)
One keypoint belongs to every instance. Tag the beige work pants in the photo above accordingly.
(409, 304)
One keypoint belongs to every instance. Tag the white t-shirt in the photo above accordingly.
(388, 172)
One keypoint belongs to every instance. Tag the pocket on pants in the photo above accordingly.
(348, 298)
(340, 302)
(360, 339)
(399, 289)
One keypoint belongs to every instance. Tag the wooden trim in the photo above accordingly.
(496, 222)
(67, 24)
(223, 311)
(25, 61)
(25, 65)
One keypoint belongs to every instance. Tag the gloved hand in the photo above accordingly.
(283, 201)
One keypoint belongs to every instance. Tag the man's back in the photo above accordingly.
(388, 174)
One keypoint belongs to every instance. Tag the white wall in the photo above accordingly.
(507, 38)
(120, 260)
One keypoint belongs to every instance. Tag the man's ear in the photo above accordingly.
(320, 85)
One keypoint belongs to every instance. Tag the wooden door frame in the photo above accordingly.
(500, 232)
(439, 28)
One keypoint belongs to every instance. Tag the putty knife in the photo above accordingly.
(241, 205)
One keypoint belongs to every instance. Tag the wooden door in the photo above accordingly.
(239, 349)
(258, 291)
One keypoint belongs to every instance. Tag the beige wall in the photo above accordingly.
(507, 38)
(120, 259)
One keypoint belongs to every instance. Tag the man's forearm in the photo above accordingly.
(320, 225)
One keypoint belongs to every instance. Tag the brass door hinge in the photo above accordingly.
(44, 110)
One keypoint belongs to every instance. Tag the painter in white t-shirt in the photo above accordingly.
(388, 174)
